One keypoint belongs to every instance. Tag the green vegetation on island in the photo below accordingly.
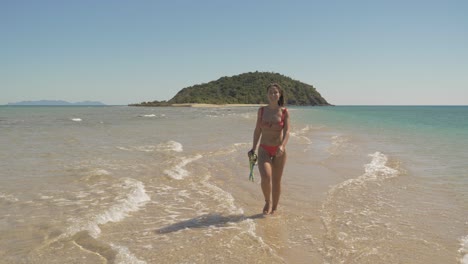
(246, 88)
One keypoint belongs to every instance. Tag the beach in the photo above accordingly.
(215, 105)
(170, 185)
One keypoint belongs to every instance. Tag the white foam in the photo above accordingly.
(227, 202)
(178, 172)
(249, 115)
(238, 145)
(300, 134)
(123, 148)
(464, 250)
(224, 198)
(231, 149)
(124, 256)
(148, 148)
(376, 170)
(167, 146)
(8, 197)
(171, 146)
(77, 119)
(338, 143)
(100, 172)
(152, 115)
(133, 201)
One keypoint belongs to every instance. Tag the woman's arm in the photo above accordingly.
(285, 130)
(258, 131)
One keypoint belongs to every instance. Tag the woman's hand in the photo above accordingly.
(280, 151)
(251, 152)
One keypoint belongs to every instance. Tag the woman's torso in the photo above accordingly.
(272, 123)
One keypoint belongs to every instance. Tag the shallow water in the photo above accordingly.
(170, 185)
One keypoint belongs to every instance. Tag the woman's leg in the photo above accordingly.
(277, 173)
(265, 168)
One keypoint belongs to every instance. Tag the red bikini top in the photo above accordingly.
(270, 124)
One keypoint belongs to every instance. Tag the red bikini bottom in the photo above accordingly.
(270, 149)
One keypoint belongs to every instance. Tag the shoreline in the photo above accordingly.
(215, 105)
(200, 105)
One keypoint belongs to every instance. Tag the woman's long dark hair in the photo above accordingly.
(277, 86)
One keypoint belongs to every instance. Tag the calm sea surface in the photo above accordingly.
(363, 184)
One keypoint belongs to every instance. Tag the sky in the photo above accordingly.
(119, 52)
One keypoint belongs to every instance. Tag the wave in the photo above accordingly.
(300, 134)
(125, 256)
(8, 197)
(377, 169)
(135, 198)
(339, 143)
(123, 148)
(230, 149)
(152, 115)
(111, 253)
(227, 202)
(178, 172)
(348, 213)
(84, 232)
(167, 146)
(224, 198)
(148, 148)
(464, 250)
(96, 175)
(171, 146)
(77, 119)
(374, 171)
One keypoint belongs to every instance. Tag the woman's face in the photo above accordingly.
(273, 94)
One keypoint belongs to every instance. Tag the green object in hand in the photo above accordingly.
(252, 163)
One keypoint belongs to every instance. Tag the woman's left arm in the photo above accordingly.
(285, 139)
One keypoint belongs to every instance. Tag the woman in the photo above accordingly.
(272, 129)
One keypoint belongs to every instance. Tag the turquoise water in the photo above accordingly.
(428, 148)
(379, 184)
(431, 134)
(436, 120)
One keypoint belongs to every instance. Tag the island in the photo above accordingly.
(243, 89)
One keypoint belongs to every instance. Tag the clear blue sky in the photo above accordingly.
(120, 52)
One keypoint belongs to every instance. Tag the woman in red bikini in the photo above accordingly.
(272, 129)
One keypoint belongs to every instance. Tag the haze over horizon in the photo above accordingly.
(118, 52)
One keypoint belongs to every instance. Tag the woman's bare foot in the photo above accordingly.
(266, 208)
(273, 210)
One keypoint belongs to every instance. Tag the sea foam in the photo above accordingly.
(125, 256)
(463, 250)
(136, 198)
(8, 197)
(376, 170)
(300, 134)
(170, 146)
(178, 172)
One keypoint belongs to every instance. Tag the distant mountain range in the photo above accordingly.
(55, 102)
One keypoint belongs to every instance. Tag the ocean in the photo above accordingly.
(118, 184)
